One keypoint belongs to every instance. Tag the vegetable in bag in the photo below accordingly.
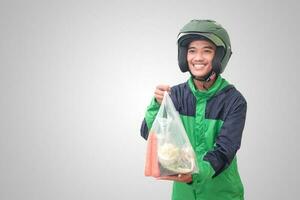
(169, 151)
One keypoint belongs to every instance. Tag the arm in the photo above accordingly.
(229, 139)
(226, 145)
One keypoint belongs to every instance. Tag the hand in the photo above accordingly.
(186, 178)
(159, 92)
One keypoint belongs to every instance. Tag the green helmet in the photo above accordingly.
(204, 30)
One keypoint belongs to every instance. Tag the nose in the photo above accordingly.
(198, 56)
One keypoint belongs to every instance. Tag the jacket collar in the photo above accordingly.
(217, 86)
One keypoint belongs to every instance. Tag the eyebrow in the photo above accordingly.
(205, 47)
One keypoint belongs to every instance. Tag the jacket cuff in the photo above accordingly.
(206, 172)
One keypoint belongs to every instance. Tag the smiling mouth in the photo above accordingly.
(199, 66)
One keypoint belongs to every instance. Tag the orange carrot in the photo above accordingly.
(148, 165)
(151, 166)
(154, 158)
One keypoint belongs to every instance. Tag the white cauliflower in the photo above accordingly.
(176, 159)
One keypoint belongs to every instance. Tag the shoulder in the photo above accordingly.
(225, 102)
(231, 93)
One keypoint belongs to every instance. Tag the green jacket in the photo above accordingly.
(214, 121)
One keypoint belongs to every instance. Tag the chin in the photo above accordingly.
(199, 74)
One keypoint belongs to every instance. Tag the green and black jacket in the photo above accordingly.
(214, 121)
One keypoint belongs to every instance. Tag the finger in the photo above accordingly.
(180, 178)
(159, 95)
(185, 178)
(159, 92)
(170, 178)
(163, 87)
(158, 98)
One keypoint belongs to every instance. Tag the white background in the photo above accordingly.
(76, 77)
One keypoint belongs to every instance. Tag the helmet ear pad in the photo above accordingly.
(217, 60)
(182, 58)
(183, 48)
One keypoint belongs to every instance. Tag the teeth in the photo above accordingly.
(198, 66)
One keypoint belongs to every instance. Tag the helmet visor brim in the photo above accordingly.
(216, 40)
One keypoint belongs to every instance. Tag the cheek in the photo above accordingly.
(189, 58)
(209, 59)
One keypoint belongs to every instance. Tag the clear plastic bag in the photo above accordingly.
(169, 151)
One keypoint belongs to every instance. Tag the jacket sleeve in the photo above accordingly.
(150, 115)
(228, 140)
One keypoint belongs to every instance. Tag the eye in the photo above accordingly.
(190, 51)
(209, 51)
